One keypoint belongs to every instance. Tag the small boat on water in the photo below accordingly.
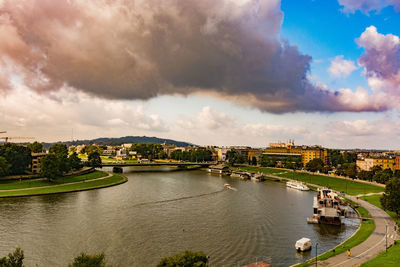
(297, 185)
(241, 175)
(258, 177)
(227, 186)
(303, 244)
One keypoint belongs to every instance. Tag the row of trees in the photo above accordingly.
(16, 259)
(15, 159)
(58, 162)
(274, 161)
(188, 258)
(194, 155)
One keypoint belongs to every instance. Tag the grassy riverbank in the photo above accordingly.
(266, 170)
(348, 186)
(374, 200)
(365, 230)
(344, 185)
(389, 258)
(392, 256)
(88, 181)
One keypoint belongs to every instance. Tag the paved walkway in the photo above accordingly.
(375, 243)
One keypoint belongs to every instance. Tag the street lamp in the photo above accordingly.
(386, 236)
(316, 254)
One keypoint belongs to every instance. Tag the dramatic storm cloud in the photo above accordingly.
(368, 5)
(145, 48)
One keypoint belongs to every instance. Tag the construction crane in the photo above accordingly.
(12, 138)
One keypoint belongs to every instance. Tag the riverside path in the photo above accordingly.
(383, 236)
(375, 243)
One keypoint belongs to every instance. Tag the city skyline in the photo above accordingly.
(232, 72)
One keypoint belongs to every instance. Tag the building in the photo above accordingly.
(221, 154)
(36, 161)
(255, 153)
(306, 153)
(109, 152)
(384, 162)
(397, 163)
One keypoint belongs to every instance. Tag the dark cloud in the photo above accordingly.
(145, 48)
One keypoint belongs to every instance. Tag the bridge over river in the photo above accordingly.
(137, 164)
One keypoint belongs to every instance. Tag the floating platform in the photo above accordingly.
(312, 220)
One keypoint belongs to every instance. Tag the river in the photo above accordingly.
(157, 214)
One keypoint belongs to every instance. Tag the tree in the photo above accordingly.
(391, 198)
(61, 153)
(18, 156)
(351, 170)
(50, 167)
(85, 260)
(186, 259)
(94, 159)
(14, 259)
(315, 165)
(365, 175)
(254, 161)
(74, 161)
(234, 156)
(59, 149)
(35, 147)
(4, 167)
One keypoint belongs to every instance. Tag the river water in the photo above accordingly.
(157, 214)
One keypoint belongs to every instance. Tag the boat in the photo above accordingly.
(326, 208)
(227, 186)
(303, 244)
(241, 175)
(297, 185)
(258, 177)
(219, 169)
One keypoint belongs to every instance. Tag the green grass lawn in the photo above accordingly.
(16, 184)
(266, 170)
(374, 200)
(389, 258)
(88, 184)
(392, 256)
(347, 186)
(366, 229)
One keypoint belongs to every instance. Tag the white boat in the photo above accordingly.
(326, 208)
(303, 244)
(227, 186)
(297, 185)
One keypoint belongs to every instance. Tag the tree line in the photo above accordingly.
(15, 159)
(187, 258)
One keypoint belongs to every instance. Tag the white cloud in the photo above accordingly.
(341, 67)
(350, 6)
(52, 117)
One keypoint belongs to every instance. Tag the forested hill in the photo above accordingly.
(121, 140)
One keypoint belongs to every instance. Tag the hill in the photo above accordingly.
(121, 140)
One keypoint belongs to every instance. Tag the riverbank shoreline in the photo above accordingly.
(91, 181)
(364, 241)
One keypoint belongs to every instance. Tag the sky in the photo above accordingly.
(226, 72)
